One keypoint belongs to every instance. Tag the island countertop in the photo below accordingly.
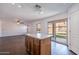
(39, 35)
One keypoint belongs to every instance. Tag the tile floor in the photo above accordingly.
(60, 49)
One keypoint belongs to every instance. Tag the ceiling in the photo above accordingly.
(27, 11)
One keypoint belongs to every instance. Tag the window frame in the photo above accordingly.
(38, 28)
(50, 27)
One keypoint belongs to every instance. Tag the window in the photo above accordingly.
(50, 28)
(38, 27)
(61, 28)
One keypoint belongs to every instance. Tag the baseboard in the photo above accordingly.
(73, 52)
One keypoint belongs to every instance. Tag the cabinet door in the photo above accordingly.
(36, 47)
(31, 45)
(74, 35)
(45, 46)
(26, 43)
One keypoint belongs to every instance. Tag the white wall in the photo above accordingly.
(44, 23)
(73, 33)
(0, 28)
(10, 28)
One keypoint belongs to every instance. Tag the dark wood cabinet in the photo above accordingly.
(36, 46)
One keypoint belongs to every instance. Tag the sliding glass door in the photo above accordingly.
(59, 31)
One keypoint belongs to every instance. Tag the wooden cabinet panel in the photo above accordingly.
(31, 45)
(45, 46)
(35, 46)
(26, 44)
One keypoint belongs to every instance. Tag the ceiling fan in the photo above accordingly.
(19, 21)
(38, 9)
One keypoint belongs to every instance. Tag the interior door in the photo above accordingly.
(74, 34)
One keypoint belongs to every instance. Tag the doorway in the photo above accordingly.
(58, 29)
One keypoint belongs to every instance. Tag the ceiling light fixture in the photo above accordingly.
(19, 6)
(13, 3)
(18, 20)
(38, 9)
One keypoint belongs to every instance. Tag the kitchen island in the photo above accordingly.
(38, 44)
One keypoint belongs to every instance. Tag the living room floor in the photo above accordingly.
(60, 49)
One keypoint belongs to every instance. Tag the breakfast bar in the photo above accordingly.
(38, 44)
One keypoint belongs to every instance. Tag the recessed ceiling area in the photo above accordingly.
(26, 11)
